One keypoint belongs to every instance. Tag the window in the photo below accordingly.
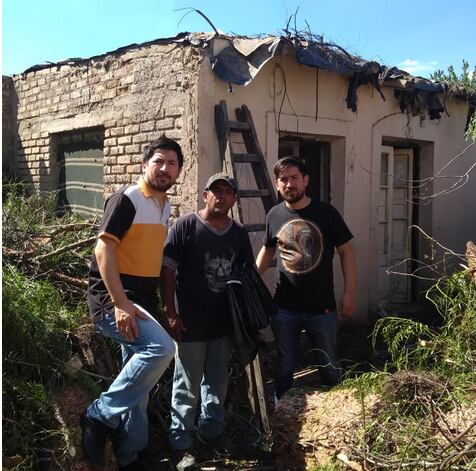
(81, 179)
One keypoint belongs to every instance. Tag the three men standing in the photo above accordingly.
(122, 299)
(202, 251)
(306, 233)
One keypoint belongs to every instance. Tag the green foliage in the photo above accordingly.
(37, 320)
(44, 244)
(466, 81)
(449, 350)
(434, 373)
(35, 324)
(366, 383)
(35, 347)
(327, 467)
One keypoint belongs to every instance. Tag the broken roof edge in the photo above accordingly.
(345, 63)
(185, 38)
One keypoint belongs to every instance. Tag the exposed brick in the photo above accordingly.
(109, 94)
(127, 80)
(118, 169)
(112, 84)
(133, 149)
(109, 179)
(148, 126)
(119, 131)
(124, 159)
(139, 138)
(131, 129)
(134, 169)
(109, 141)
(124, 140)
(166, 123)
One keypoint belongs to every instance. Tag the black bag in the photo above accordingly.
(251, 306)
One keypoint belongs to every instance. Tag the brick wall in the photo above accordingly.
(8, 126)
(135, 95)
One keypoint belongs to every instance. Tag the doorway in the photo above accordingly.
(396, 215)
(316, 156)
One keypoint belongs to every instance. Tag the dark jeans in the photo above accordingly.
(321, 329)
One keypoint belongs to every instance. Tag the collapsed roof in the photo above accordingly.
(241, 60)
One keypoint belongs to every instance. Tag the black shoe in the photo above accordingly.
(183, 460)
(144, 464)
(135, 465)
(220, 444)
(94, 436)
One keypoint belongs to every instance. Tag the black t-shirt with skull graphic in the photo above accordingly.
(306, 239)
(204, 259)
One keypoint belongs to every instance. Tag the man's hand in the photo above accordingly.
(126, 320)
(347, 305)
(174, 325)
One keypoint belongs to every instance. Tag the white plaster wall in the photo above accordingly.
(356, 140)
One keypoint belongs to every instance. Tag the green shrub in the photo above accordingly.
(35, 348)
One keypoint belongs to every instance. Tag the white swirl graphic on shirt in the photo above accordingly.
(300, 244)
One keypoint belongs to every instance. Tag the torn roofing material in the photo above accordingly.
(241, 60)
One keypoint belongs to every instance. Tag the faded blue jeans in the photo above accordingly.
(321, 329)
(124, 405)
(201, 372)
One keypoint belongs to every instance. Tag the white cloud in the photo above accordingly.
(415, 67)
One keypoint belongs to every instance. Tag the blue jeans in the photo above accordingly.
(124, 405)
(201, 372)
(321, 329)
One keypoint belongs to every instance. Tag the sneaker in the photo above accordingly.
(183, 460)
(94, 435)
(220, 444)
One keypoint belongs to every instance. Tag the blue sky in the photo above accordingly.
(418, 36)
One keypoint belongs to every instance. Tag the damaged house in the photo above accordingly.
(387, 149)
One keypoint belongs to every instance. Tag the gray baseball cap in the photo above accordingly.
(222, 177)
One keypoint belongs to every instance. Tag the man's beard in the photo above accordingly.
(293, 196)
(159, 186)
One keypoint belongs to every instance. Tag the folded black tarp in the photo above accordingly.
(251, 307)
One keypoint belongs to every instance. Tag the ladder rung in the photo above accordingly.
(253, 193)
(238, 126)
(246, 158)
(255, 227)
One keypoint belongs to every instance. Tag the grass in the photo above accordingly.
(37, 320)
(430, 375)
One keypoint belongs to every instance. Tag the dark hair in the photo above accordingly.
(165, 143)
(281, 164)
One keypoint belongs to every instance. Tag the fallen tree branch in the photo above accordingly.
(77, 226)
(79, 282)
(61, 250)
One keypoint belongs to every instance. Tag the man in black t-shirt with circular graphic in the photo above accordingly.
(306, 232)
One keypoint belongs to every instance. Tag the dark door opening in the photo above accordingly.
(316, 156)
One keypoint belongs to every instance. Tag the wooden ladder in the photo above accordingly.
(244, 128)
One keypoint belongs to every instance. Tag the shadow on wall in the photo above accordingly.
(14, 164)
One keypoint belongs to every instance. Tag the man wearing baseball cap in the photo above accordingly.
(201, 252)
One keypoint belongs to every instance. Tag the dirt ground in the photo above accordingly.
(312, 426)
(309, 425)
